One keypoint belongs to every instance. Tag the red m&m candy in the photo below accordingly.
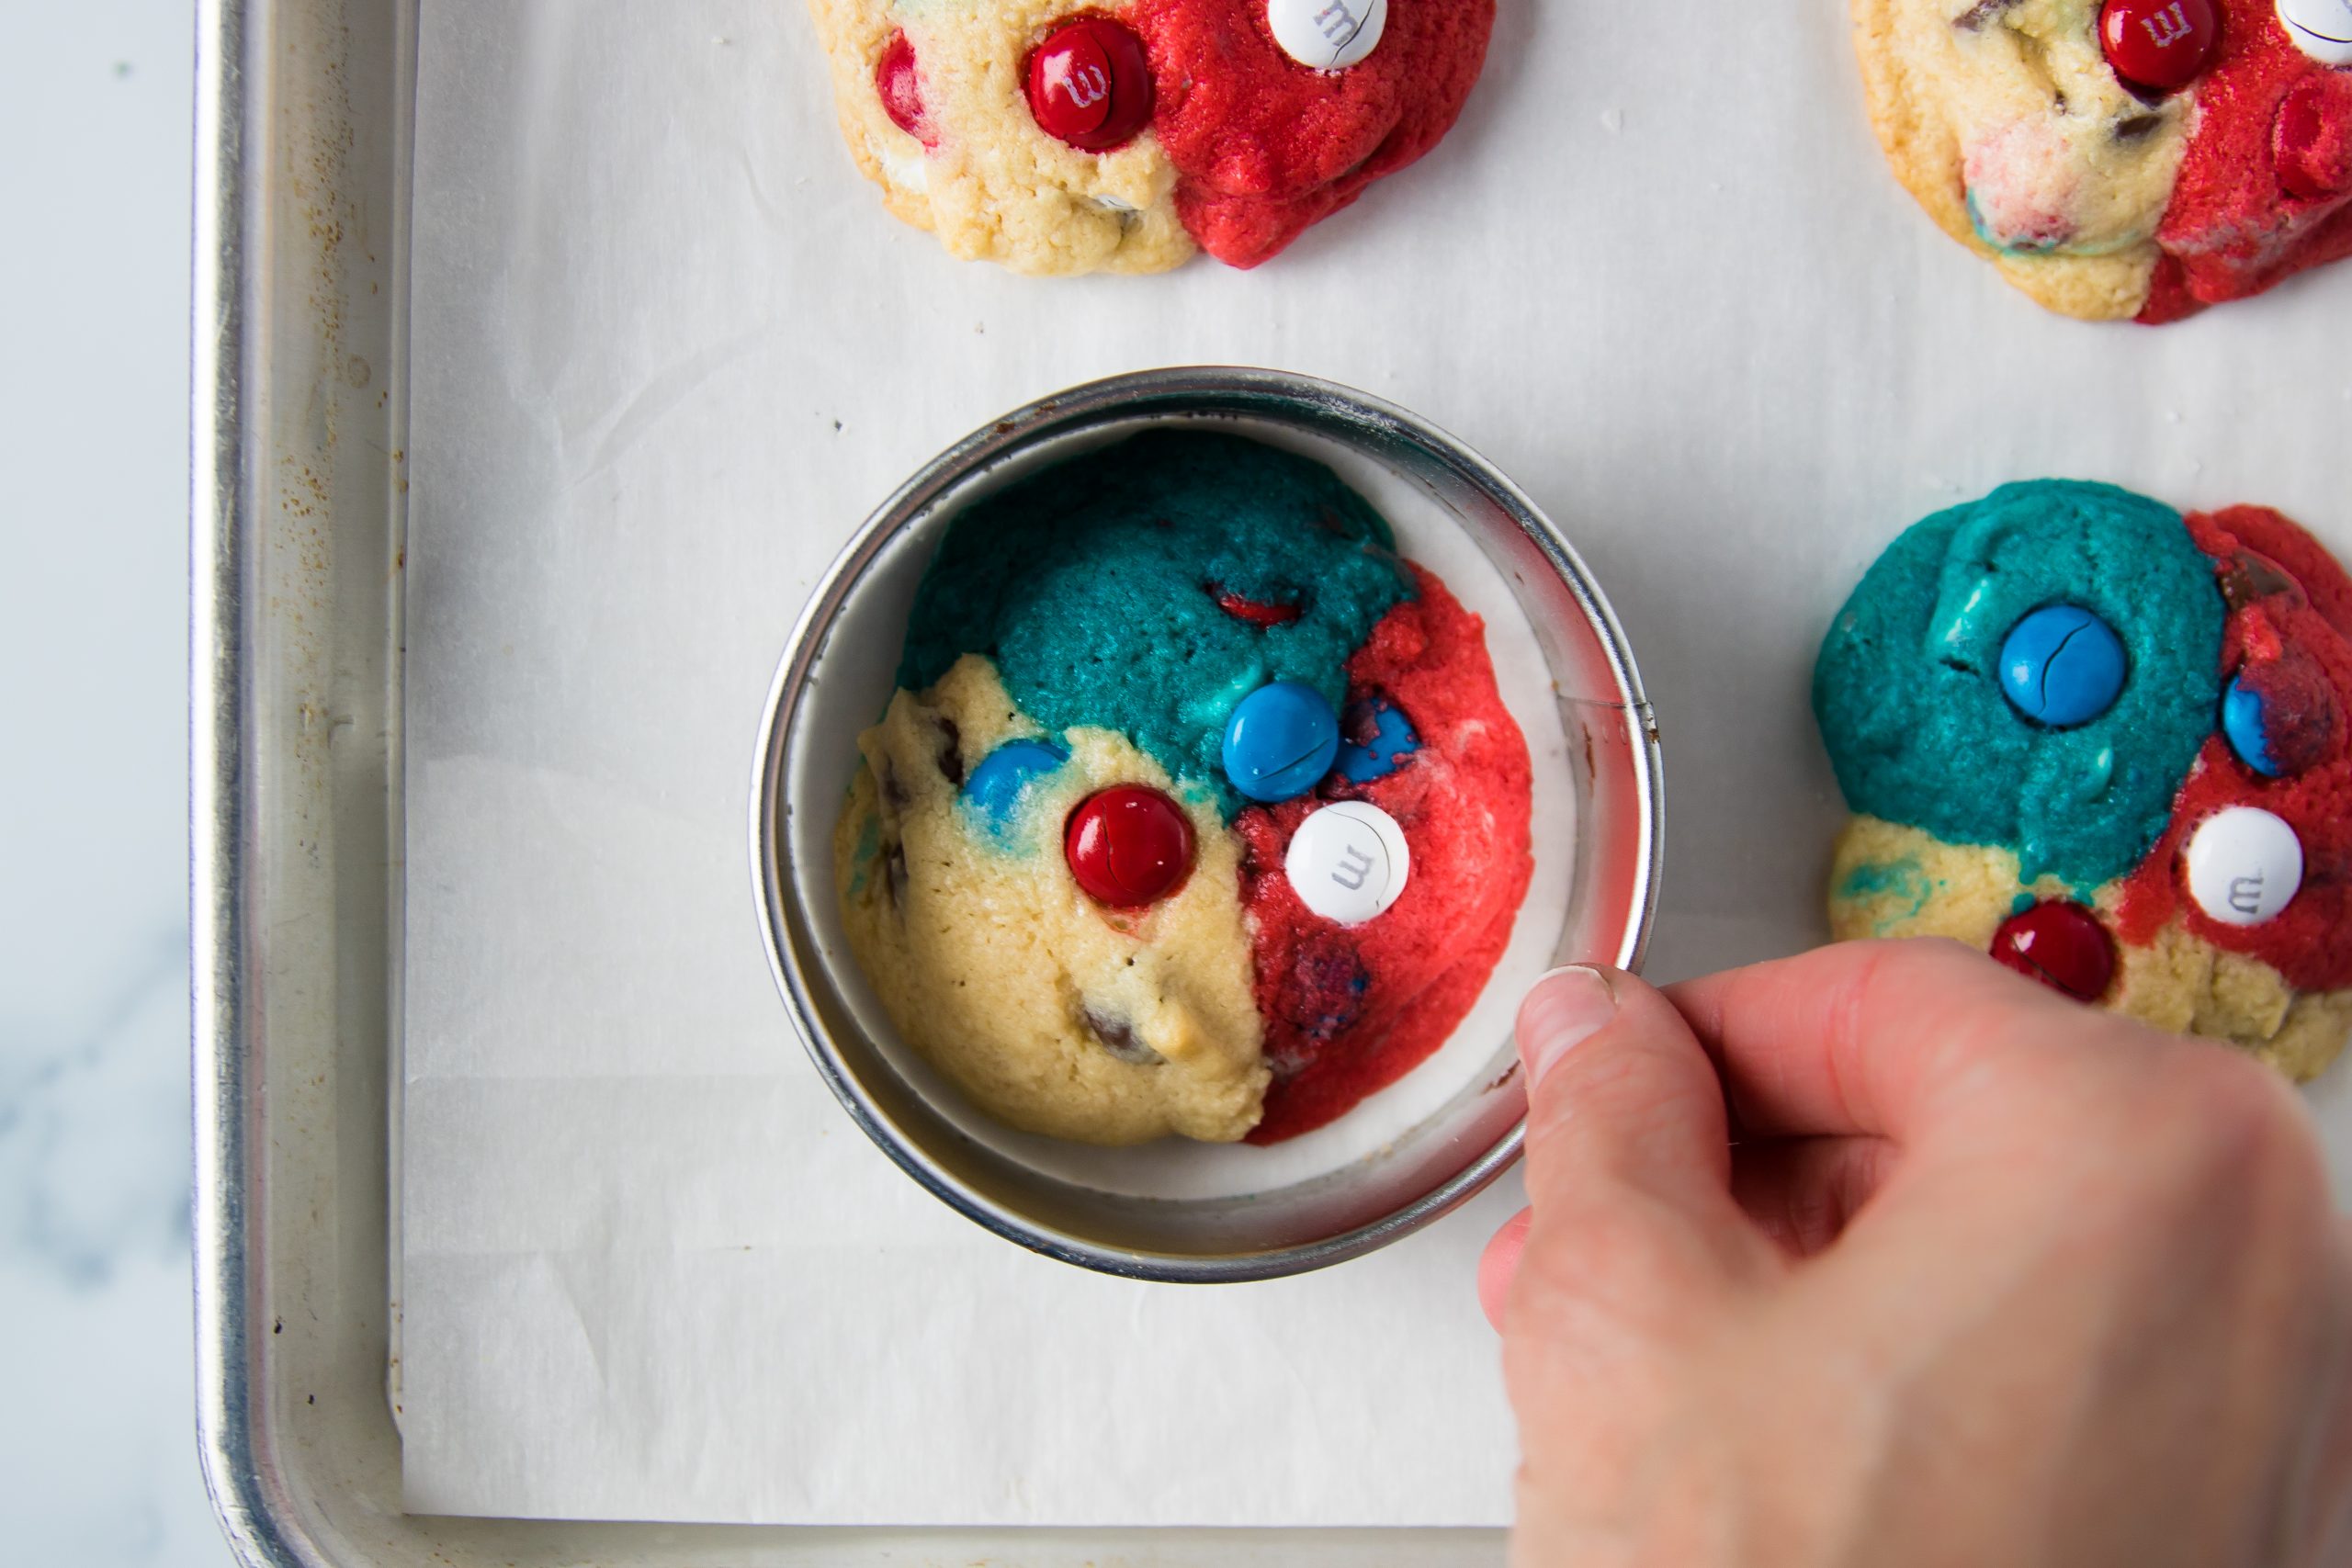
(2061, 945)
(2160, 45)
(1128, 846)
(899, 85)
(1090, 84)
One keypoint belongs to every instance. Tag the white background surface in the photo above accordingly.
(668, 352)
(98, 1453)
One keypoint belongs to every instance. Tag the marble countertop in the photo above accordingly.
(96, 1433)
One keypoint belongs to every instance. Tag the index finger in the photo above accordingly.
(1861, 1037)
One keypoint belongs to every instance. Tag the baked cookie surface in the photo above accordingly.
(2131, 159)
(1059, 139)
(2106, 742)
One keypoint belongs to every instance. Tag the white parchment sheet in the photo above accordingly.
(668, 350)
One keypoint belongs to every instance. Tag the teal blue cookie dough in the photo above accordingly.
(1904, 878)
(1093, 584)
(1908, 696)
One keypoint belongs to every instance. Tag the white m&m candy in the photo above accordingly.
(1348, 862)
(1330, 35)
(2243, 865)
(2321, 29)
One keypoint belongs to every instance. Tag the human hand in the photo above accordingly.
(1884, 1255)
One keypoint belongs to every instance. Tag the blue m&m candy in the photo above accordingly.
(1280, 741)
(2063, 665)
(994, 788)
(1379, 740)
(2241, 723)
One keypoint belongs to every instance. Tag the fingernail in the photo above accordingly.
(1567, 1006)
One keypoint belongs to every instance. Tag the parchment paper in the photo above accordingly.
(668, 350)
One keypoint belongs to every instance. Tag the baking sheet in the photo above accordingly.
(668, 350)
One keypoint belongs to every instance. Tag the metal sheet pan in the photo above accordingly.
(299, 456)
(296, 560)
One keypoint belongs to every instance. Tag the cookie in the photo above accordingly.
(1059, 139)
(1197, 811)
(2106, 742)
(2135, 160)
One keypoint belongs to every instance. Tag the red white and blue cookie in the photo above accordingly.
(2122, 159)
(2106, 742)
(1059, 138)
(1197, 810)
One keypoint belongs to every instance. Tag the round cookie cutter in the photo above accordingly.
(1447, 1154)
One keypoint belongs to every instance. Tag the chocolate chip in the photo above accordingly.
(894, 866)
(893, 791)
(1977, 17)
(1118, 1036)
(951, 749)
(2138, 127)
(2251, 577)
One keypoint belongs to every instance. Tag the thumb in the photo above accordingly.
(1628, 1143)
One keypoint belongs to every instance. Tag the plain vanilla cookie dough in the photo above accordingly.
(980, 176)
(996, 967)
(2012, 123)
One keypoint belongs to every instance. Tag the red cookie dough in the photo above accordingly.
(1265, 147)
(2265, 189)
(2290, 620)
(1351, 1010)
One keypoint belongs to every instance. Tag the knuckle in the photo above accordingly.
(1896, 962)
(2226, 1107)
(1607, 1110)
(1855, 990)
(1616, 1259)
(2099, 1073)
(1943, 950)
(2217, 1121)
(1592, 1072)
(1878, 998)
